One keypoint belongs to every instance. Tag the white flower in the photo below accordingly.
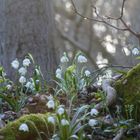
(58, 76)
(135, 51)
(22, 71)
(50, 104)
(64, 59)
(26, 62)
(22, 79)
(87, 73)
(94, 112)
(24, 127)
(51, 120)
(64, 122)
(60, 111)
(92, 122)
(9, 87)
(50, 97)
(58, 73)
(15, 64)
(81, 59)
(37, 81)
(29, 85)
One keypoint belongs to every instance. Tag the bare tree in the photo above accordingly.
(104, 19)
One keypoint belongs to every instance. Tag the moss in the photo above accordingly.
(129, 89)
(34, 121)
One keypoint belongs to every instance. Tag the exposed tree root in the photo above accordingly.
(120, 134)
(110, 92)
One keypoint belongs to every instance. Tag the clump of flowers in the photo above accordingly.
(67, 127)
(25, 85)
(73, 75)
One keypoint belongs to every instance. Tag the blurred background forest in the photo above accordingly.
(100, 42)
(40, 27)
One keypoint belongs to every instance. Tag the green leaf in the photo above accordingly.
(138, 57)
(31, 57)
(9, 100)
(120, 71)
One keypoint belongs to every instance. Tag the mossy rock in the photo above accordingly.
(35, 122)
(128, 88)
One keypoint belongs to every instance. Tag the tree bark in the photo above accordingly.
(27, 26)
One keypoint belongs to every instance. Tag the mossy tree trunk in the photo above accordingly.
(129, 89)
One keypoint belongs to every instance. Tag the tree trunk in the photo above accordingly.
(27, 26)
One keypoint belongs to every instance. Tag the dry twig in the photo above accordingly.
(104, 19)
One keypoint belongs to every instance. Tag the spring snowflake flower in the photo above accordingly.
(92, 122)
(22, 71)
(26, 62)
(37, 81)
(22, 79)
(51, 104)
(24, 127)
(58, 76)
(87, 73)
(29, 85)
(94, 112)
(51, 119)
(60, 111)
(64, 59)
(58, 73)
(64, 122)
(15, 64)
(81, 59)
(135, 51)
(9, 87)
